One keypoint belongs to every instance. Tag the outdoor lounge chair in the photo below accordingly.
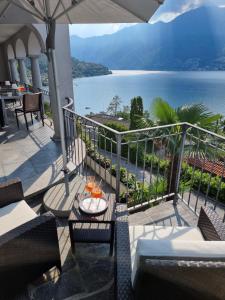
(31, 103)
(28, 242)
(171, 268)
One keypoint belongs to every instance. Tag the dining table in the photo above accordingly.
(3, 109)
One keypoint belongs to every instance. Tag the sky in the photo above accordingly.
(170, 10)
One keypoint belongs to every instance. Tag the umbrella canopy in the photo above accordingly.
(51, 12)
(77, 11)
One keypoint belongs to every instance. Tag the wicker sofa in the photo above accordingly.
(171, 277)
(28, 249)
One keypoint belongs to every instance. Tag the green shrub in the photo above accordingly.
(47, 110)
(190, 177)
(145, 192)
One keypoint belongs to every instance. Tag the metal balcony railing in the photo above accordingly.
(146, 166)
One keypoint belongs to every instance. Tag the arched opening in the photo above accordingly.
(34, 47)
(20, 49)
(13, 65)
(10, 52)
(35, 50)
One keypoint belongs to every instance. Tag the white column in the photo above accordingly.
(22, 70)
(63, 64)
(35, 70)
(14, 71)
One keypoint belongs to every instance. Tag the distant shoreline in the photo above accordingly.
(132, 72)
(122, 73)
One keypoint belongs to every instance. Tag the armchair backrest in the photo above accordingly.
(211, 225)
(10, 192)
(32, 102)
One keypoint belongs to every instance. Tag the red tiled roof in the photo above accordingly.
(216, 168)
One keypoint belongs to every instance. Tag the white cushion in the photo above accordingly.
(152, 232)
(14, 215)
(147, 249)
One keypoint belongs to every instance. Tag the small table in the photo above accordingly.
(85, 228)
(3, 112)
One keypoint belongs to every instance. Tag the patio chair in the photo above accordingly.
(31, 103)
(192, 268)
(28, 242)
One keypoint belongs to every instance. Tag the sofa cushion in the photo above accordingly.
(151, 232)
(176, 249)
(14, 215)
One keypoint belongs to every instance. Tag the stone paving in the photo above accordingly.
(165, 214)
(30, 155)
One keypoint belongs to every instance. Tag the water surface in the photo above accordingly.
(177, 88)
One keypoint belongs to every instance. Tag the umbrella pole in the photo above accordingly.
(52, 59)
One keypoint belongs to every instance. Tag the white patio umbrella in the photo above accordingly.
(51, 12)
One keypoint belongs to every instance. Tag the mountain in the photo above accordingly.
(193, 41)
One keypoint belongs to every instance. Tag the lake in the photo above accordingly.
(177, 88)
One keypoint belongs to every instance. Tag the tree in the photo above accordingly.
(136, 112)
(197, 114)
(114, 105)
(147, 114)
(126, 109)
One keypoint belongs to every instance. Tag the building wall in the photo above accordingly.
(3, 67)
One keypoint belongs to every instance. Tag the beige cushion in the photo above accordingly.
(14, 215)
(151, 232)
(179, 248)
(147, 249)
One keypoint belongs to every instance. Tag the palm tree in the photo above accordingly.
(196, 114)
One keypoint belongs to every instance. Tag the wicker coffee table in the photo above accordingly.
(85, 228)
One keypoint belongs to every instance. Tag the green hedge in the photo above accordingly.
(100, 159)
(191, 177)
(47, 110)
(196, 178)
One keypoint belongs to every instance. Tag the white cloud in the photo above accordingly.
(172, 9)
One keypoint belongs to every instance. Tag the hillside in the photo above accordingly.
(193, 41)
(86, 69)
(79, 69)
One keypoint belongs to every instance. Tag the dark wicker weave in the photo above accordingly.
(11, 191)
(211, 225)
(27, 251)
(171, 279)
(122, 252)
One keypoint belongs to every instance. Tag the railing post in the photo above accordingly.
(118, 154)
(65, 133)
(181, 156)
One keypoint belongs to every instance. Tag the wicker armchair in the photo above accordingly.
(29, 250)
(31, 103)
(183, 279)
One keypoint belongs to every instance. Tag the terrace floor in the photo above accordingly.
(30, 155)
(165, 214)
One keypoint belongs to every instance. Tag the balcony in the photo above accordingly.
(179, 163)
(165, 174)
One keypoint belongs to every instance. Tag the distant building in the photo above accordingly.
(103, 118)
